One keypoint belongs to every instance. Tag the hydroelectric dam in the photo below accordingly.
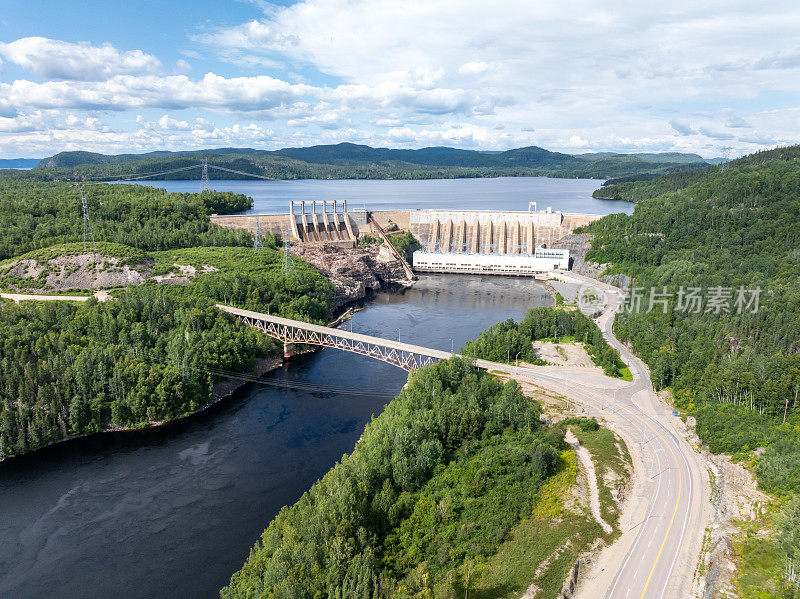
(526, 242)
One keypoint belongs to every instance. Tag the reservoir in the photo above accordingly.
(174, 512)
(502, 193)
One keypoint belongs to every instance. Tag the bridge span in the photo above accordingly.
(656, 557)
(404, 355)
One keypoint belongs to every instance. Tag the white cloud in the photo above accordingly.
(456, 134)
(576, 141)
(251, 35)
(170, 124)
(124, 92)
(715, 134)
(682, 127)
(456, 72)
(326, 119)
(181, 66)
(473, 68)
(737, 122)
(55, 59)
(541, 64)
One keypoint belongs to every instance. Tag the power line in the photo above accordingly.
(137, 177)
(203, 176)
(230, 170)
(298, 385)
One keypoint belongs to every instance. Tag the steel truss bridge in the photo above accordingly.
(403, 355)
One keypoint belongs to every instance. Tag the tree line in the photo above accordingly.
(737, 372)
(155, 352)
(509, 340)
(151, 355)
(435, 484)
(36, 215)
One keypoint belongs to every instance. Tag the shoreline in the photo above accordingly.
(222, 391)
(230, 387)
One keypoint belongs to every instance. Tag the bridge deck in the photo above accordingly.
(404, 347)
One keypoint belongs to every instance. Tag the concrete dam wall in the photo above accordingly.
(330, 225)
(467, 231)
(485, 232)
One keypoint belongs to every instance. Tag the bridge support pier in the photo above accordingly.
(288, 351)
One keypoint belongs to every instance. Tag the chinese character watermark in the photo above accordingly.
(692, 300)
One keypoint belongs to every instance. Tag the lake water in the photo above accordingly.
(503, 193)
(174, 512)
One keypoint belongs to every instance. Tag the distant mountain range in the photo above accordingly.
(347, 160)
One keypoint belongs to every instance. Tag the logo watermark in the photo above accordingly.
(692, 300)
(591, 299)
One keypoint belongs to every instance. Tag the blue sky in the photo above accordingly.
(574, 75)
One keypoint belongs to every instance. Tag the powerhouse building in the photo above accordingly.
(543, 260)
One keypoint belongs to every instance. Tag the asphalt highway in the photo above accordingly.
(660, 543)
(665, 529)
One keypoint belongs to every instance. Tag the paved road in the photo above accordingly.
(665, 529)
(666, 524)
(100, 295)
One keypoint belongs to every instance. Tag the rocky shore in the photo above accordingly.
(354, 272)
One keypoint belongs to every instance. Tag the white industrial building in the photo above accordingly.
(543, 260)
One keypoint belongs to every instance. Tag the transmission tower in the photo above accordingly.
(87, 224)
(287, 268)
(258, 241)
(205, 185)
(726, 154)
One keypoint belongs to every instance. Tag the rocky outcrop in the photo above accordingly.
(354, 272)
(578, 245)
(736, 499)
(90, 271)
(81, 271)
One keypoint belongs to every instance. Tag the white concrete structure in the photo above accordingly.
(484, 217)
(544, 260)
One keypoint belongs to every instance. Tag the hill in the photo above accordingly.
(731, 358)
(354, 161)
(659, 157)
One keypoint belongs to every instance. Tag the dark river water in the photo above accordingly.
(502, 193)
(174, 512)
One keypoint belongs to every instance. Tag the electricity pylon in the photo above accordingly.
(288, 263)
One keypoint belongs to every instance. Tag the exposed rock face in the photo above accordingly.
(735, 499)
(91, 271)
(353, 271)
(82, 271)
(578, 245)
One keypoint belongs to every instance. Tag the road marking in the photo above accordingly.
(636, 365)
(674, 457)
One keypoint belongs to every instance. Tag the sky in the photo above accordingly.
(714, 78)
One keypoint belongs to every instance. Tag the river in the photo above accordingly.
(173, 512)
(502, 193)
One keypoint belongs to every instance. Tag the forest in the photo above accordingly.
(508, 340)
(153, 353)
(736, 371)
(36, 215)
(436, 483)
(353, 161)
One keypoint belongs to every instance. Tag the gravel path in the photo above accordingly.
(594, 495)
